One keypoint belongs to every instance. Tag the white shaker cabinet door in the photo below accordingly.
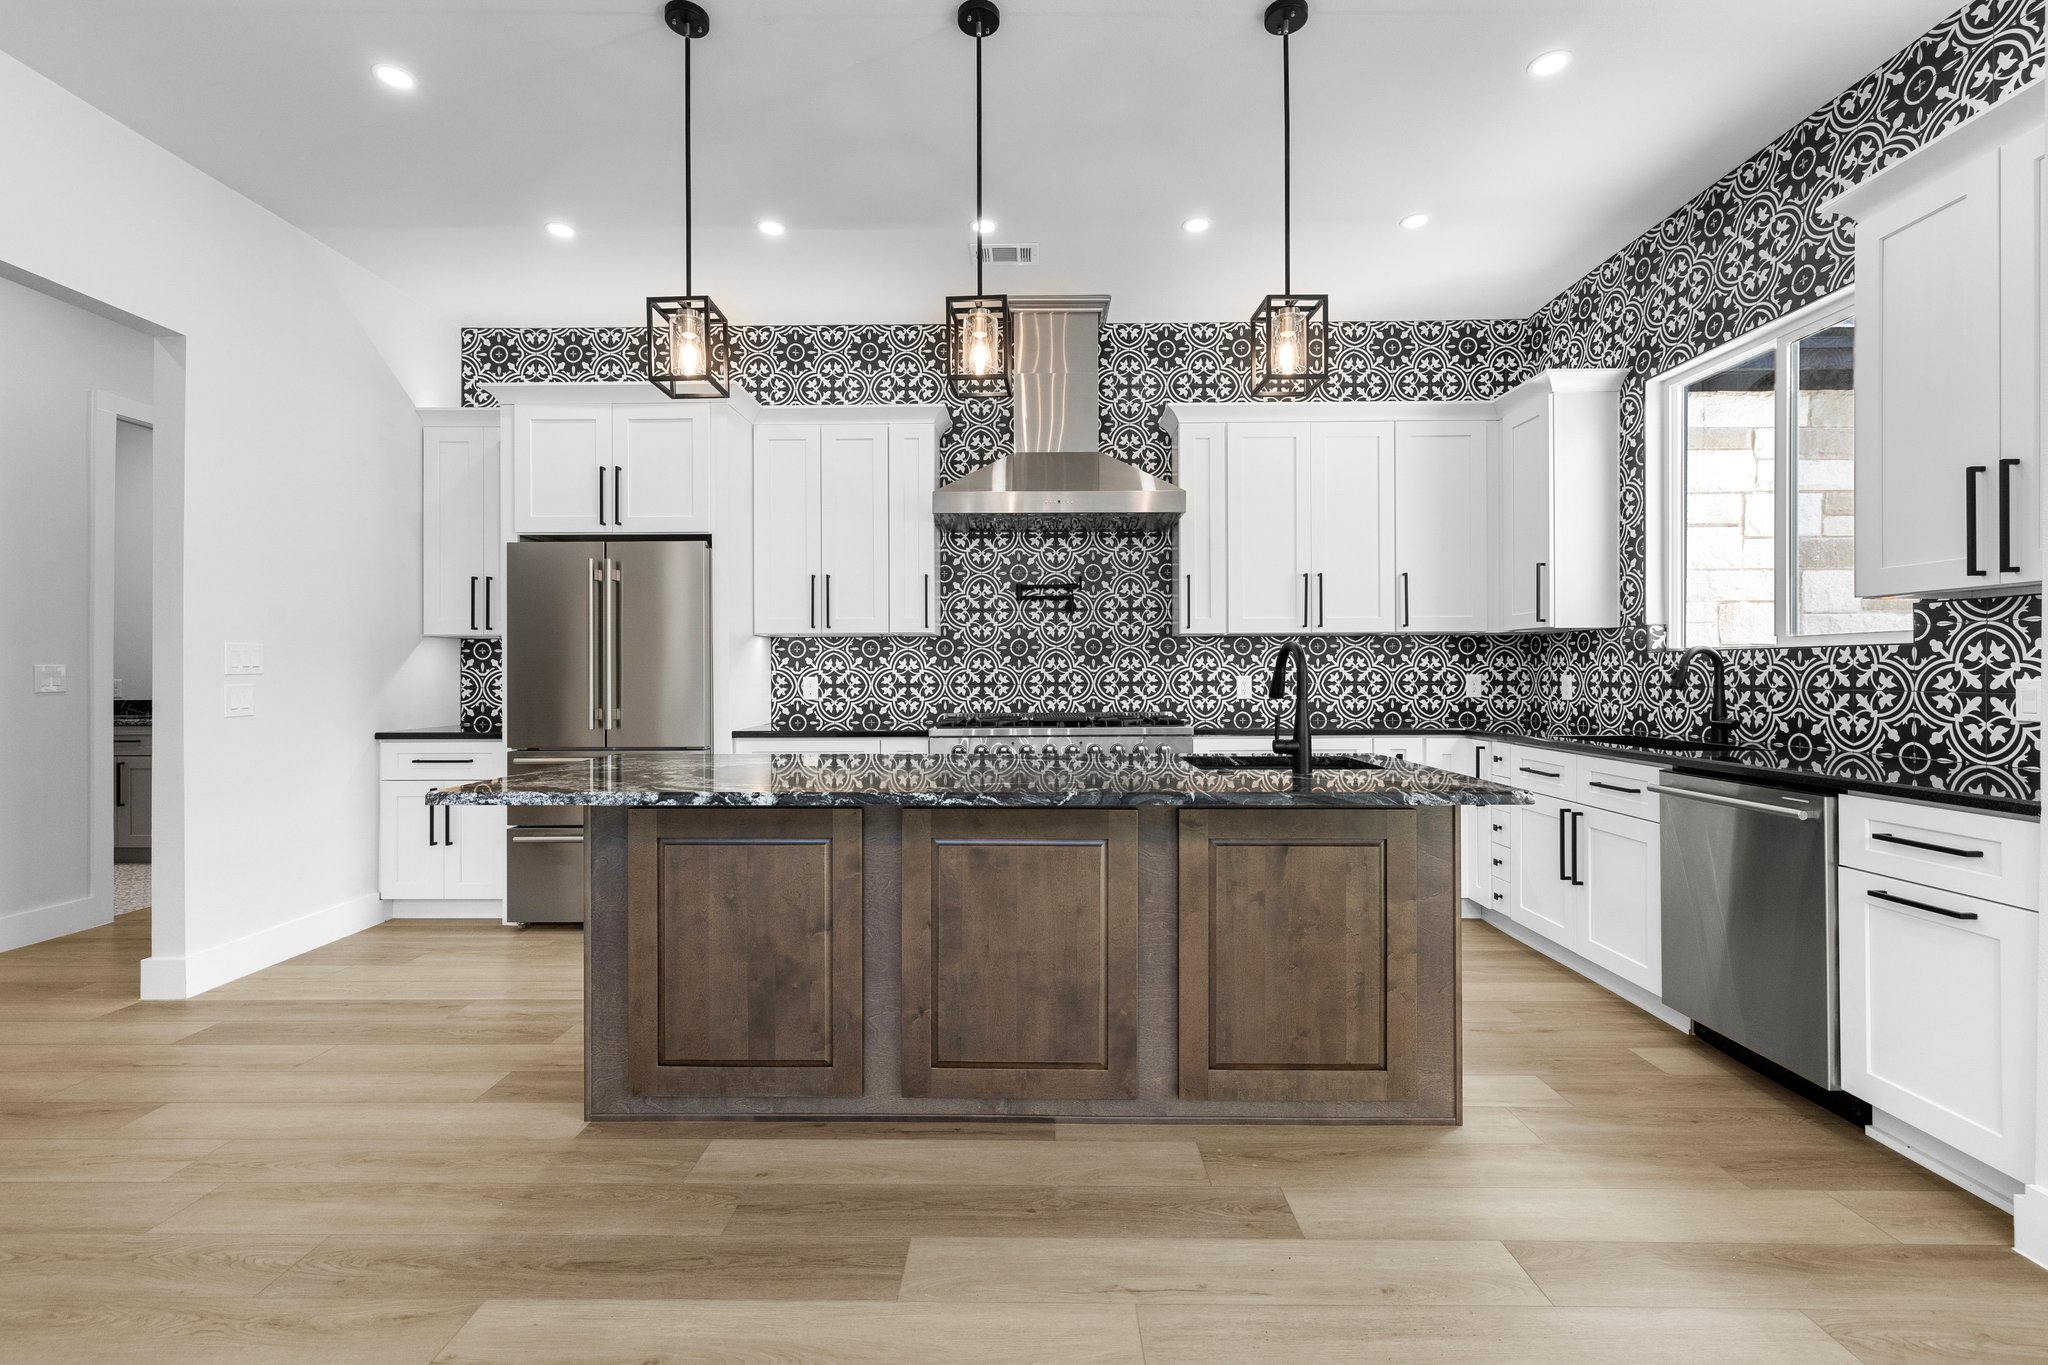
(1525, 434)
(1440, 525)
(562, 471)
(786, 511)
(410, 861)
(661, 468)
(464, 584)
(853, 485)
(1200, 587)
(1541, 897)
(913, 536)
(1351, 519)
(1618, 864)
(2023, 169)
(474, 853)
(1267, 528)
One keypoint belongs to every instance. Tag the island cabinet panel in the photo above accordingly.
(1298, 939)
(1020, 954)
(745, 967)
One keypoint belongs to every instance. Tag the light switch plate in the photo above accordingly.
(809, 687)
(50, 678)
(1475, 684)
(2026, 700)
(1568, 685)
(242, 658)
(238, 699)
(1247, 687)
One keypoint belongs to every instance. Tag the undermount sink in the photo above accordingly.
(1661, 742)
(1230, 761)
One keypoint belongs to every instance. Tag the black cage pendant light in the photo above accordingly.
(1290, 331)
(978, 324)
(689, 348)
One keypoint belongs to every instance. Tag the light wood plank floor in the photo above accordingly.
(374, 1154)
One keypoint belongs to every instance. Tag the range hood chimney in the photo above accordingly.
(1059, 470)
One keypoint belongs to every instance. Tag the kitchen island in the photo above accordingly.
(952, 937)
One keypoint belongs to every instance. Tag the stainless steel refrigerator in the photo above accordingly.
(607, 648)
(608, 644)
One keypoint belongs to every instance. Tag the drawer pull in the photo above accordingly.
(547, 838)
(1931, 848)
(1500, 829)
(440, 760)
(1610, 787)
(1881, 895)
(1538, 772)
(1500, 862)
(1497, 896)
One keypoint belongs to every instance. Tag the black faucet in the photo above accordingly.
(1301, 745)
(1720, 725)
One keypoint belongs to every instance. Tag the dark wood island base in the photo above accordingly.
(1145, 963)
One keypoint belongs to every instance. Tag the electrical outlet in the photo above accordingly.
(809, 687)
(238, 699)
(2026, 700)
(1568, 685)
(50, 678)
(1475, 684)
(243, 658)
(1247, 687)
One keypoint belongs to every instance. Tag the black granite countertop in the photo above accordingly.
(771, 732)
(653, 779)
(441, 732)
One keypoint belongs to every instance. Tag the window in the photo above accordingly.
(1754, 447)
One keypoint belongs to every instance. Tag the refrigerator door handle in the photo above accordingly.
(593, 589)
(613, 576)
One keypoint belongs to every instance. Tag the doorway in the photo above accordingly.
(133, 607)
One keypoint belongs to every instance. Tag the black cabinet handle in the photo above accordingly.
(448, 826)
(418, 761)
(2005, 469)
(1931, 848)
(1562, 826)
(1576, 816)
(1404, 601)
(1500, 829)
(1538, 772)
(1320, 600)
(1970, 522)
(1188, 617)
(1497, 896)
(618, 495)
(1478, 762)
(814, 601)
(487, 602)
(1304, 601)
(472, 601)
(1610, 787)
(433, 840)
(1500, 862)
(600, 495)
(1541, 565)
(927, 601)
(120, 771)
(1882, 895)
(828, 601)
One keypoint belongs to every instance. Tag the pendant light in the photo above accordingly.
(689, 349)
(1290, 331)
(978, 324)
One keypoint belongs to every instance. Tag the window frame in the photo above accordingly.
(1664, 436)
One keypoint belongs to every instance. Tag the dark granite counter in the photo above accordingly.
(441, 732)
(695, 779)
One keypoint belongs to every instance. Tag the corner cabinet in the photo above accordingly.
(1561, 502)
(463, 545)
(439, 862)
(1948, 382)
(844, 541)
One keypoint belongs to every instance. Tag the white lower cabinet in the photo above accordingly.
(1539, 896)
(1938, 1007)
(439, 853)
(1617, 862)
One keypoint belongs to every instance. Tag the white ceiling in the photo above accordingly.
(1110, 121)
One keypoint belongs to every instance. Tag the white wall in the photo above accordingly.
(287, 503)
(132, 596)
(52, 357)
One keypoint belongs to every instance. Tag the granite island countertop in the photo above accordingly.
(702, 779)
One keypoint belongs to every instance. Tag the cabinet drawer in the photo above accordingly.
(1544, 770)
(1497, 899)
(1995, 857)
(131, 741)
(1617, 785)
(1500, 824)
(442, 764)
(1938, 1000)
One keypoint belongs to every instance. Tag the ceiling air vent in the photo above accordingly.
(1008, 255)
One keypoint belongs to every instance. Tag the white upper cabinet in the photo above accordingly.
(844, 541)
(1948, 303)
(464, 575)
(1442, 471)
(1265, 530)
(1200, 559)
(561, 470)
(1350, 491)
(1561, 499)
(661, 468)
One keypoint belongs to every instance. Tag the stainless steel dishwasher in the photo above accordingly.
(1749, 918)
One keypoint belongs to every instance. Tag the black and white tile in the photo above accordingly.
(482, 681)
(1744, 252)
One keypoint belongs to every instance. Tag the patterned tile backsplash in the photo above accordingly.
(1747, 250)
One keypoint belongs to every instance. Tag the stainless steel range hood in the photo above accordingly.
(1059, 470)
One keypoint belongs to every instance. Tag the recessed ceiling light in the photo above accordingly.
(984, 226)
(562, 230)
(771, 228)
(1550, 63)
(1195, 225)
(397, 77)
(1415, 220)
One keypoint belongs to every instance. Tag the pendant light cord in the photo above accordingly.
(979, 252)
(1286, 160)
(689, 236)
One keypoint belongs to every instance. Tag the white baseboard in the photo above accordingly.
(181, 978)
(43, 922)
(2030, 1224)
(447, 910)
(1958, 1168)
(1592, 971)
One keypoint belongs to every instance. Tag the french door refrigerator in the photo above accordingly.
(608, 644)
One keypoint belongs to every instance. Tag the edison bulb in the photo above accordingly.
(983, 341)
(1289, 351)
(686, 345)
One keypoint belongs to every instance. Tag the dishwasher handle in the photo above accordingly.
(1716, 799)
